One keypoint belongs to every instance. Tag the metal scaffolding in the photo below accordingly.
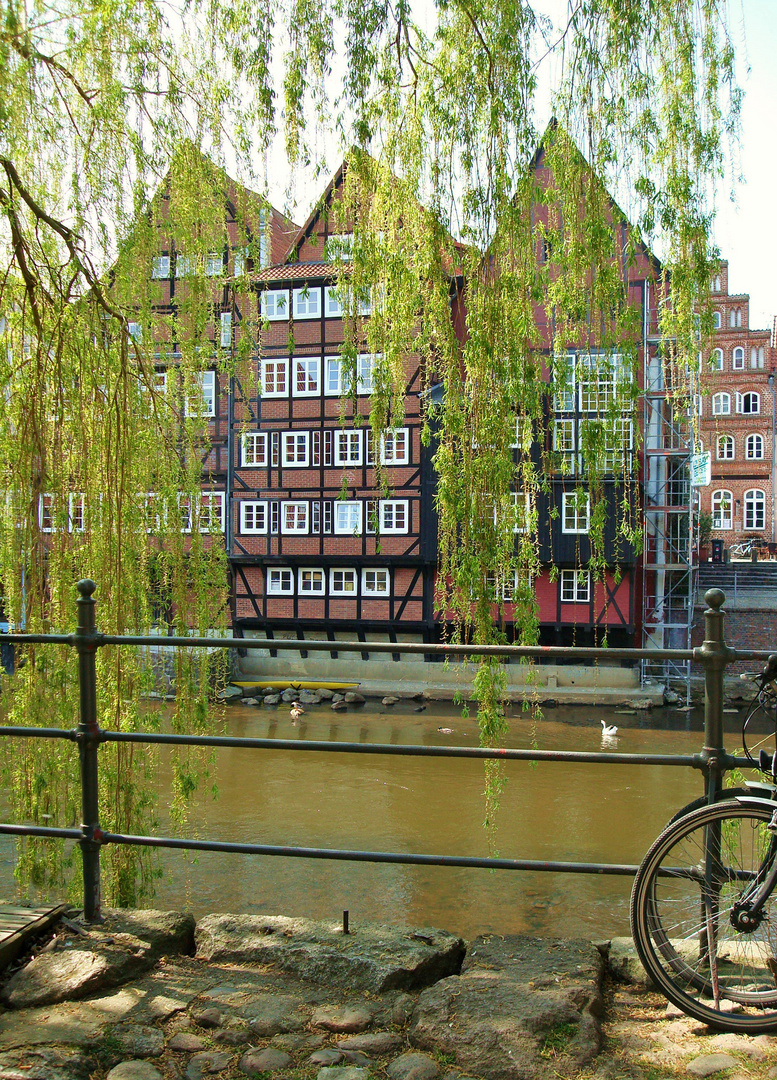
(669, 566)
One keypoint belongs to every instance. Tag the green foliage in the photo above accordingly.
(100, 104)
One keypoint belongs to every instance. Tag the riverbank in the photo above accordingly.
(154, 996)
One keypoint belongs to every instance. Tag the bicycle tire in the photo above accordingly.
(670, 918)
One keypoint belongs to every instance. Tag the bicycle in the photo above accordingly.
(704, 905)
(744, 549)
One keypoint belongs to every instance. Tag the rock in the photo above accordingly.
(327, 1056)
(53, 977)
(402, 1009)
(309, 697)
(275, 1013)
(289, 695)
(342, 1072)
(230, 693)
(389, 700)
(134, 1070)
(346, 1020)
(741, 1044)
(207, 1018)
(338, 706)
(206, 1064)
(325, 693)
(139, 1040)
(252, 701)
(256, 1062)
(186, 1041)
(372, 1042)
(357, 1057)
(298, 1041)
(708, 1064)
(624, 964)
(413, 1067)
(45, 1063)
(167, 933)
(352, 698)
(337, 696)
(670, 697)
(237, 1036)
(272, 699)
(513, 996)
(376, 959)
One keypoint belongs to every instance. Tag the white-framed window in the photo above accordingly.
(275, 378)
(310, 581)
(738, 358)
(280, 581)
(575, 586)
(721, 404)
(184, 266)
(521, 511)
(394, 515)
(253, 516)
(339, 247)
(754, 447)
(201, 400)
(160, 266)
(76, 512)
(226, 329)
(716, 320)
(756, 357)
(755, 509)
(375, 582)
(211, 511)
(716, 360)
(575, 512)
(342, 582)
(563, 376)
(749, 404)
(722, 507)
(253, 449)
(333, 307)
(240, 261)
(135, 332)
(564, 445)
(334, 376)
(348, 518)
(715, 283)
(306, 376)
(735, 317)
(725, 448)
(365, 373)
(597, 380)
(46, 513)
(395, 447)
(307, 303)
(214, 264)
(294, 517)
(348, 447)
(295, 449)
(152, 511)
(274, 305)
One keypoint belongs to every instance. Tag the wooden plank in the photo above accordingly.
(19, 925)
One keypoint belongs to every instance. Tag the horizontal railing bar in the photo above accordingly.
(42, 830)
(338, 855)
(39, 733)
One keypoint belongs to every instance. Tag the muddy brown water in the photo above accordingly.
(549, 811)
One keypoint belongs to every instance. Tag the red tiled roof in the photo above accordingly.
(299, 271)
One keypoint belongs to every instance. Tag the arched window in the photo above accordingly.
(721, 404)
(738, 358)
(755, 509)
(716, 360)
(715, 283)
(749, 404)
(722, 510)
(725, 447)
(756, 357)
(754, 447)
(716, 320)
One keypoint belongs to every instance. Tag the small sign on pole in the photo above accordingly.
(701, 469)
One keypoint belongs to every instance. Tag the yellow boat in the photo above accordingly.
(295, 684)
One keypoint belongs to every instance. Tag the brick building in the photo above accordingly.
(737, 421)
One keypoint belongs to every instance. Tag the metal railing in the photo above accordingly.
(714, 655)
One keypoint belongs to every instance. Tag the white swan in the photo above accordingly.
(608, 729)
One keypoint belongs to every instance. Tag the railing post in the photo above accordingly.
(714, 655)
(88, 737)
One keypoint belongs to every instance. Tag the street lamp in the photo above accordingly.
(770, 381)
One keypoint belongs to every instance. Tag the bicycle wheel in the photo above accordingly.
(681, 907)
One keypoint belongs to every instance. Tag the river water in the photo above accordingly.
(596, 813)
(549, 811)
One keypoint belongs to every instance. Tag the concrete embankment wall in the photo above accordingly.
(379, 673)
